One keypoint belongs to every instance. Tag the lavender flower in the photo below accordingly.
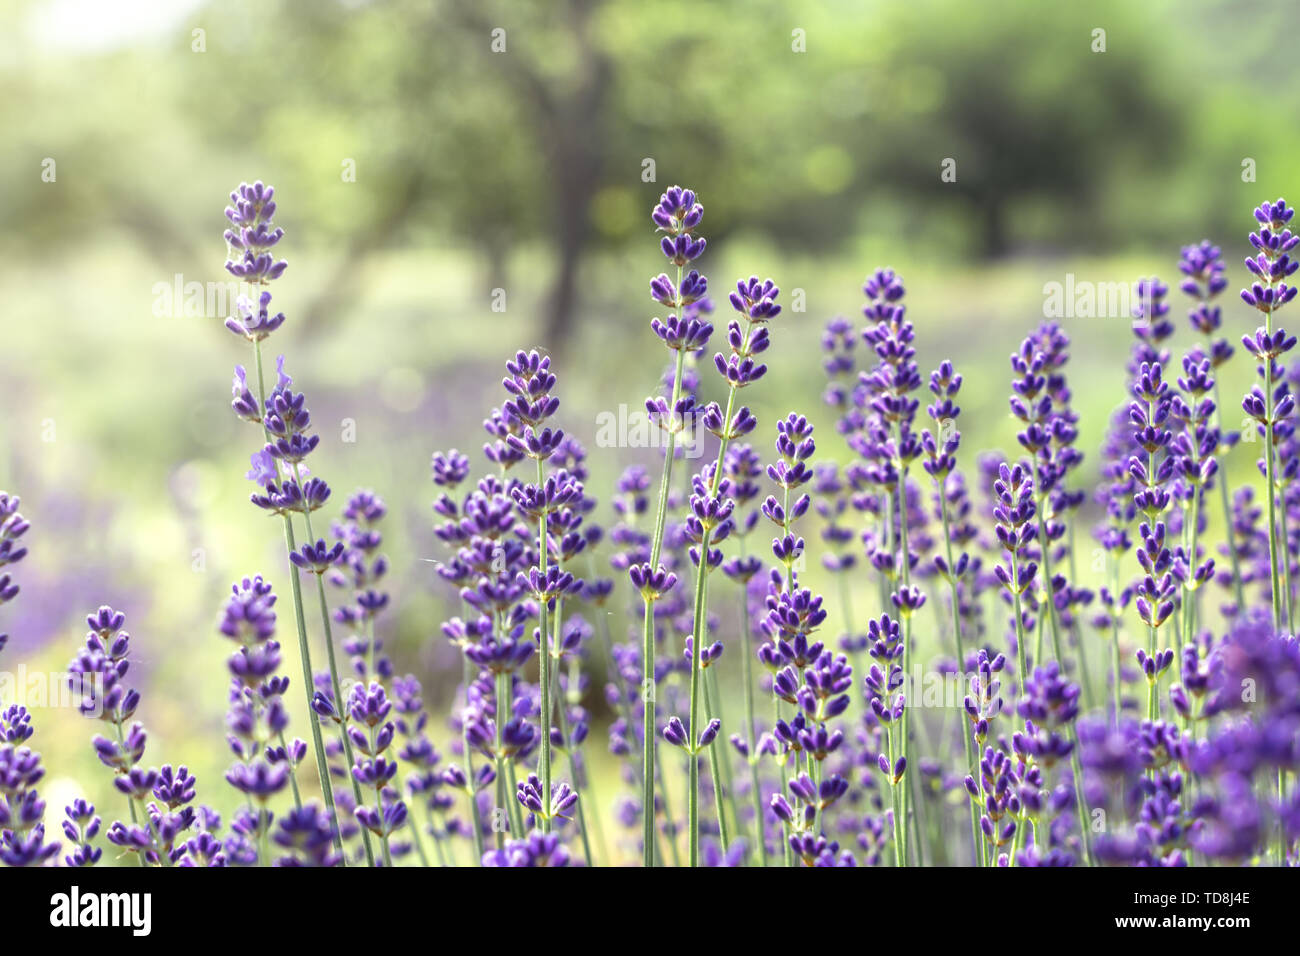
(253, 234)
(1272, 265)
(12, 527)
(256, 717)
(22, 811)
(278, 467)
(97, 675)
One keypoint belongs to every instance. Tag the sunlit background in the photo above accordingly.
(424, 179)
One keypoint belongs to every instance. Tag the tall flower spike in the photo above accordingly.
(252, 234)
(284, 486)
(711, 504)
(677, 216)
(1272, 265)
(97, 676)
(257, 718)
(22, 811)
(12, 527)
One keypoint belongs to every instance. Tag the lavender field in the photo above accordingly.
(669, 535)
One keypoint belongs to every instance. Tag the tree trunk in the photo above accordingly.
(563, 300)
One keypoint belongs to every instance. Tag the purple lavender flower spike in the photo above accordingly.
(22, 811)
(12, 527)
(253, 234)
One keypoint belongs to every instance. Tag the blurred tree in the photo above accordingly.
(1024, 113)
(809, 123)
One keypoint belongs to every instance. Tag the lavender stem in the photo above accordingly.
(304, 651)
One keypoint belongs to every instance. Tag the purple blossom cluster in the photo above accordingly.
(952, 682)
(22, 811)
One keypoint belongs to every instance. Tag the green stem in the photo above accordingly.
(475, 816)
(577, 787)
(1085, 678)
(1022, 665)
(1117, 675)
(747, 669)
(713, 686)
(900, 842)
(304, 651)
(697, 636)
(905, 554)
(431, 827)
(665, 795)
(502, 680)
(1227, 514)
(130, 803)
(516, 812)
(293, 776)
(715, 771)
(379, 808)
(545, 664)
(648, 730)
(626, 708)
(967, 744)
(1284, 547)
(1056, 647)
(1274, 575)
(340, 704)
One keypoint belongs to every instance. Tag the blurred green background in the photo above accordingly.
(418, 169)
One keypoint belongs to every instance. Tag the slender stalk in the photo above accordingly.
(1022, 665)
(1284, 547)
(475, 816)
(751, 742)
(967, 744)
(716, 772)
(503, 709)
(648, 746)
(713, 707)
(1038, 640)
(905, 554)
(900, 840)
(697, 636)
(815, 768)
(1271, 481)
(693, 727)
(649, 830)
(665, 795)
(577, 787)
(544, 659)
(304, 651)
(1056, 647)
(1227, 510)
(418, 839)
(432, 829)
(339, 702)
(1281, 825)
(1085, 678)
(516, 812)
(503, 701)
(560, 704)
(163, 859)
(1015, 841)
(379, 807)
(1189, 618)
(1076, 770)
(898, 530)
(130, 803)
(1052, 620)
(626, 708)
(293, 776)
(1117, 672)
(263, 838)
